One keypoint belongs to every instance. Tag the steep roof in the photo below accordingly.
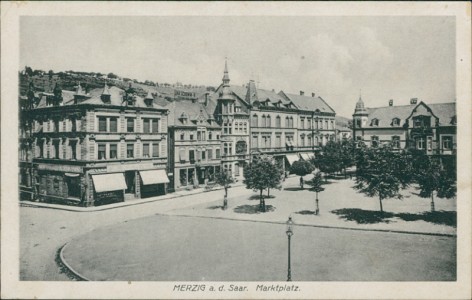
(193, 111)
(310, 103)
(444, 111)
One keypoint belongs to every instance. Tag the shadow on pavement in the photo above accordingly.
(293, 189)
(363, 216)
(305, 212)
(371, 217)
(252, 209)
(257, 197)
(438, 217)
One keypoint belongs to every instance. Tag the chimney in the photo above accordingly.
(413, 100)
(302, 93)
(390, 102)
(206, 98)
(313, 95)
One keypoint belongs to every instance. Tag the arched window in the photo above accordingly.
(287, 122)
(268, 121)
(277, 122)
(255, 121)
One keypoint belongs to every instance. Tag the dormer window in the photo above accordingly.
(375, 122)
(454, 120)
(396, 122)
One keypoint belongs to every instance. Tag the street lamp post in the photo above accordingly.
(289, 235)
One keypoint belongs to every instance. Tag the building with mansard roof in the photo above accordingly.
(426, 127)
(93, 148)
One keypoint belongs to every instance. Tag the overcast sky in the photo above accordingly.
(387, 57)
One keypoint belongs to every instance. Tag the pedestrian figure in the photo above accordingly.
(301, 182)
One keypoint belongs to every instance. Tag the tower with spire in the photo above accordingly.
(226, 101)
(360, 116)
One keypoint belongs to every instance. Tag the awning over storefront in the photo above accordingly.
(292, 158)
(109, 182)
(72, 174)
(154, 177)
(305, 156)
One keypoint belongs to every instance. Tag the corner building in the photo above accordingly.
(96, 148)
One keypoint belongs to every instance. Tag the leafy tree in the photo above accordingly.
(380, 172)
(434, 178)
(302, 168)
(316, 187)
(112, 76)
(28, 71)
(263, 173)
(224, 179)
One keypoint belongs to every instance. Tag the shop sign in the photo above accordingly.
(109, 196)
(127, 167)
(61, 168)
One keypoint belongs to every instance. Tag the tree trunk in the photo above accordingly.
(268, 191)
(432, 202)
(261, 208)
(381, 207)
(226, 191)
(317, 211)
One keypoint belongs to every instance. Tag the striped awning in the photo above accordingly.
(109, 182)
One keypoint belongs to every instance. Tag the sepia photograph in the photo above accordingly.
(230, 153)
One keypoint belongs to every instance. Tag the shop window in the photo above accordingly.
(155, 150)
(102, 124)
(129, 124)
(113, 124)
(130, 150)
(102, 151)
(146, 150)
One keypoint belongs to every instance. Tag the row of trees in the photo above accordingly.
(381, 172)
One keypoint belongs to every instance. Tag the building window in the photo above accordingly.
(129, 125)
(218, 153)
(278, 141)
(73, 149)
(309, 141)
(447, 142)
(56, 145)
(102, 124)
(241, 147)
(155, 150)
(210, 154)
(303, 140)
(396, 122)
(255, 121)
(155, 125)
(302, 123)
(254, 141)
(227, 149)
(182, 155)
(191, 136)
(199, 136)
(102, 151)
(191, 155)
(430, 142)
(56, 126)
(182, 136)
(421, 121)
(74, 124)
(130, 150)
(113, 125)
(146, 125)
(263, 121)
(113, 151)
(291, 122)
(420, 143)
(277, 122)
(375, 122)
(374, 141)
(395, 142)
(209, 135)
(146, 150)
(204, 155)
(268, 121)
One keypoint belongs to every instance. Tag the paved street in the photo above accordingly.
(44, 231)
(162, 248)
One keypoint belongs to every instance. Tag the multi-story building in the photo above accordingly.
(96, 148)
(427, 127)
(194, 144)
(254, 121)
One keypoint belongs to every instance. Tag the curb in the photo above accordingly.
(108, 207)
(320, 226)
(64, 262)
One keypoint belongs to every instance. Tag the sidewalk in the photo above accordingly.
(126, 203)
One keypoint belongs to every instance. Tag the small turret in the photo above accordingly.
(148, 99)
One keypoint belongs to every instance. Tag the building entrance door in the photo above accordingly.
(130, 177)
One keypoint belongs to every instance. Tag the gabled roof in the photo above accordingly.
(194, 111)
(309, 103)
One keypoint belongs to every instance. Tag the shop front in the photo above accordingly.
(108, 188)
(153, 183)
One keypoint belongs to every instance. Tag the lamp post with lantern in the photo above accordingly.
(289, 235)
